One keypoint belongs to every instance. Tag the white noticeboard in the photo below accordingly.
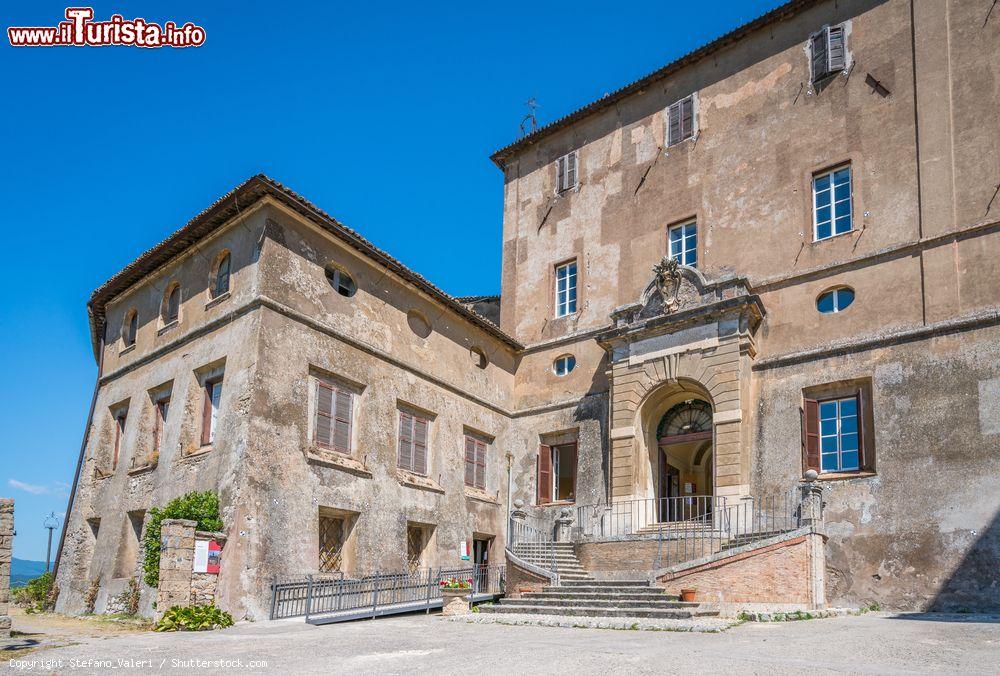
(201, 556)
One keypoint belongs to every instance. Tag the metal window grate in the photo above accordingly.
(331, 544)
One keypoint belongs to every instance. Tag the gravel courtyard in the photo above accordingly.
(418, 644)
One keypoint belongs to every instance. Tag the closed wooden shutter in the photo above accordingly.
(820, 55)
(480, 473)
(323, 424)
(419, 445)
(810, 434)
(571, 170)
(470, 461)
(544, 474)
(674, 124)
(561, 174)
(835, 45)
(687, 117)
(405, 459)
(343, 411)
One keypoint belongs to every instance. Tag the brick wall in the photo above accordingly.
(783, 572)
(521, 580)
(6, 546)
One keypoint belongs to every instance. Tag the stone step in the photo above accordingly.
(596, 611)
(570, 586)
(619, 583)
(558, 559)
(600, 603)
(600, 596)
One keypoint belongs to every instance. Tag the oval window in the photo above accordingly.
(564, 364)
(418, 323)
(835, 300)
(341, 282)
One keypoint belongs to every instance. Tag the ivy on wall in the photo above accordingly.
(200, 507)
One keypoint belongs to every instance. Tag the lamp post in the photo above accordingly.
(51, 522)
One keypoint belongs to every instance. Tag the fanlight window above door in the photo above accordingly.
(686, 417)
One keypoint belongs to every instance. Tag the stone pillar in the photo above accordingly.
(564, 525)
(811, 513)
(176, 564)
(6, 546)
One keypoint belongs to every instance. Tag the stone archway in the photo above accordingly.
(686, 338)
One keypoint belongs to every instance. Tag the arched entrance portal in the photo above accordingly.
(685, 471)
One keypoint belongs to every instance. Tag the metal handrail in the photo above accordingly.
(522, 533)
(309, 595)
(644, 515)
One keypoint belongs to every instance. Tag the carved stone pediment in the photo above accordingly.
(674, 288)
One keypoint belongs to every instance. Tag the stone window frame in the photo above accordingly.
(862, 388)
(548, 442)
(170, 316)
(570, 364)
(340, 384)
(119, 420)
(480, 451)
(214, 292)
(574, 261)
(416, 415)
(682, 255)
(130, 329)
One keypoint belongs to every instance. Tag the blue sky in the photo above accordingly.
(383, 114)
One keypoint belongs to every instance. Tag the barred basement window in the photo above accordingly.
(331, 543)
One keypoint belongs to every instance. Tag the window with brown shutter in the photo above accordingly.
(332, 422)
(827, 52)
(413, 434)
(475, 462)
(838, 428)
(544, 474)
(680, 120)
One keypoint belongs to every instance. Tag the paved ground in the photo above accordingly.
(419, 644)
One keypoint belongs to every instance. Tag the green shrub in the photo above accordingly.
(194, 618)
(200, 507)
(36, 596)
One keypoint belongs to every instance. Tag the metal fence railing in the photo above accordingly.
(645, 516)
(537, 538)
(727, 527)
(309, 595)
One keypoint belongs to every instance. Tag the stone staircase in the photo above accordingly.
(561, 554)
(601, 598)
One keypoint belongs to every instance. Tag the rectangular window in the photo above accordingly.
(680, 120)
(332, 535)
(334, 412)
(837, 427)
(828, 53)
(120, 418)
(683, 240)
(413, 443)
(832, 203)
(838, 435)
(210, 410)
(566, 289)
(566, 172)
(416, 543)
(475, 462)
(557, 473)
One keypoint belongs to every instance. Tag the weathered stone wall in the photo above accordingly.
(6, 553)
(176, 563)
(779, 573)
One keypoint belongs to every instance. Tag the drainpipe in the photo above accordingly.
(83, 451)
(510, 462)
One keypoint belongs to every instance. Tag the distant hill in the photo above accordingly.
(21, 571)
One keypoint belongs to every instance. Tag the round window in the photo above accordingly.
(418, 323)
(835, 300)
(341, 282)
(564, 364)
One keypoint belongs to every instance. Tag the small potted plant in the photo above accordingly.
(454, 591)
(687, 595)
